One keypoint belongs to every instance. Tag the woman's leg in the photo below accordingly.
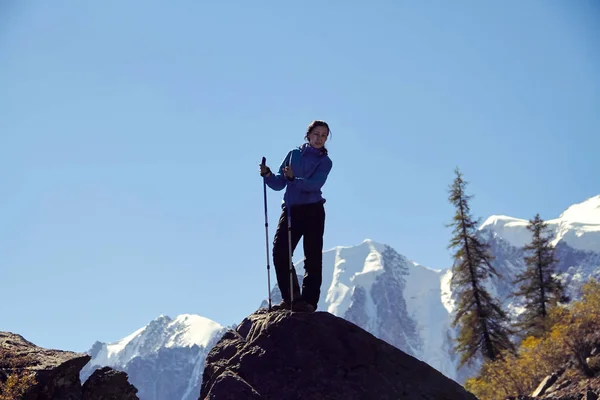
(281, 257)
(314, 228)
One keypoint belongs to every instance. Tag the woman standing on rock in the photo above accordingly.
(303, 172)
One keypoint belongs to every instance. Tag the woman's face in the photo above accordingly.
(318, 136)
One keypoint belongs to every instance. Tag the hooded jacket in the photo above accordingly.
(311, 167)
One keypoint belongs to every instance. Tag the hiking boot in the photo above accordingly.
(303, 306)
(284, 305)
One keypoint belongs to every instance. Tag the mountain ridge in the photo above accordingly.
(404, 303)
(578, 226)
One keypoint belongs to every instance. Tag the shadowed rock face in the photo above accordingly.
(283, 355)
(56, 372)
(108, 384)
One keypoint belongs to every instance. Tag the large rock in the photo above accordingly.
(56, 372)
(108, 384)
(283, 355)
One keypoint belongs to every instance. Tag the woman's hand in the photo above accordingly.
(287, 171)
(265, 171)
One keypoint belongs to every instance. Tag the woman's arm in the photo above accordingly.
(278, 181)
(317, 180)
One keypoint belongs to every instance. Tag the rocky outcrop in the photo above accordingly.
(56, 373)
(283, 355)
(565, 386)
(108, 384)
(570, 382)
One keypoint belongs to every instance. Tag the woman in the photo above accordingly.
(303, 172)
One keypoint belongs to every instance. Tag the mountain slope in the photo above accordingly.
(393, 298)
(575, 235)
(578, 227)
(164, 359)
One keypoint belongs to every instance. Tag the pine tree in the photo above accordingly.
(538, 285)
(483, 324)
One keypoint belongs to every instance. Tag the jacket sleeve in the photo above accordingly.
(317, 180)
(277, 181)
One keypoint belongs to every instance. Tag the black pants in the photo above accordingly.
(308, 221)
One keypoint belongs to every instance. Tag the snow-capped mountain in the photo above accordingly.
(575, 237)
(388, 295)
(164, 359)
(411, 306)
(578, 227)
(398, 300)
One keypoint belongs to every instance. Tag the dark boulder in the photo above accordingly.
(107, 384)
(283, 355)
(56, 372)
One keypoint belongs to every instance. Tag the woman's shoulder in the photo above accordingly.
(325, 155)
(325, 160)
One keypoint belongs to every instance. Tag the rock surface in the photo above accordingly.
(567, 385)
(108, 384)
(283, 355)
(56, 372)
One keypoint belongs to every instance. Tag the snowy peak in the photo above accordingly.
(353, 266)
(163, 359)
(188, 330)
(586, 212)
(359, 266)
(578, 226)
(112, 351)
(513, 230)
(185, 330)
(367, 245)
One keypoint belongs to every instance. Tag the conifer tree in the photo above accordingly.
(483, 325)
(538, 285)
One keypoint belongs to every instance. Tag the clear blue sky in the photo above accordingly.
(131, 133)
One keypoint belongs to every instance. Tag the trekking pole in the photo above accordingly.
(289, 221)
(264, 160)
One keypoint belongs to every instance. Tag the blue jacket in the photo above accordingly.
(311, 167)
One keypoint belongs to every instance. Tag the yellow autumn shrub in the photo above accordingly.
(513, 375)
(579, 330)
(16, 385)
(574, 330)
(20, 380)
